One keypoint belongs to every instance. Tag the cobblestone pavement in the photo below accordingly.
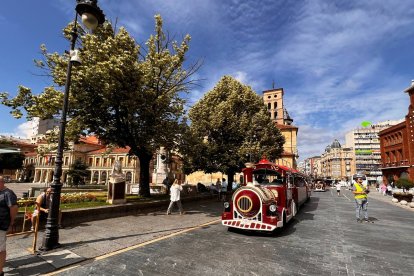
(324, 239)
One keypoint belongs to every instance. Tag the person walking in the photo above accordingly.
(361, 199)
(8, 212)
(338, 188)
(383, 189)
(175, 191)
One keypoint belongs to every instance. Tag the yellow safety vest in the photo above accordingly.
(359, 189)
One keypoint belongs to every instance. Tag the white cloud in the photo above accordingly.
(24, 130)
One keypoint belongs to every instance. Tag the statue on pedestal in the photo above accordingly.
(117, 175)
(116, 188)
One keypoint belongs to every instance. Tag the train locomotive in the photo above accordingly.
(269, 198)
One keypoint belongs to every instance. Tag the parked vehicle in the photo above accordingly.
(320, 186)
(270, 198)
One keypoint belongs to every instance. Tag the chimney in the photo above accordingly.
(412, 82)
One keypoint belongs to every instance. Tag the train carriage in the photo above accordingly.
(270, 197)
(320, 186)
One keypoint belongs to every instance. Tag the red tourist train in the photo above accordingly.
(270, 198)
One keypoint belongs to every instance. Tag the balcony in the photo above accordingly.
(396, 164)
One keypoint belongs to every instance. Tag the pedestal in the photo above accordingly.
(116, 192)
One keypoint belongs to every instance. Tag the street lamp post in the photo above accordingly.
(91, 16)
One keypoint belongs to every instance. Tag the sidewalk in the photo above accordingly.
(378, 196)
(96, 238)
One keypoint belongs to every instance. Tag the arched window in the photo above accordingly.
(103, 176)
(128, 177)
(95, 177)
(404, 175)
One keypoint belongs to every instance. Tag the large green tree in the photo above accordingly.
(124, 94)
(230, 126)
(11, 161)
(78, 171)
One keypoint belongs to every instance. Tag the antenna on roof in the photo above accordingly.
(273, 84)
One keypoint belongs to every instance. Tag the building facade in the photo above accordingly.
(273, 99)
(15, 145)
(337, 163)
(99, 159)
(312, 166)
(366, 144)
(397, 146)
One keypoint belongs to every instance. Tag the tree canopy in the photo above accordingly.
(124, 94)
(11, 161)
(78, 171)
(229, 126)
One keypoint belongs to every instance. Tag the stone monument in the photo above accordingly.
(116, 185)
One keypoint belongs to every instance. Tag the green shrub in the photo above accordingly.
(404, 184)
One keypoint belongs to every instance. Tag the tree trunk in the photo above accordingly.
(230, 179)
(144, 177)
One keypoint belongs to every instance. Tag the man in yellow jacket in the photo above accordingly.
(361, 199)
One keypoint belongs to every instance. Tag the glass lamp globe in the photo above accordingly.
(90, 21)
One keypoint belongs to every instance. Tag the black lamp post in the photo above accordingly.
(92, 16)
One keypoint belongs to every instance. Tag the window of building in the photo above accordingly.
(128, 177)
(275, 114)
(269, 106)
(95, 177)
(275, 105)
(103, 176)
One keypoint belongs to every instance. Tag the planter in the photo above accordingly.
(403, 196)
(395, 200)
(411, 204)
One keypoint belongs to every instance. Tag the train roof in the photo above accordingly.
(265, 162)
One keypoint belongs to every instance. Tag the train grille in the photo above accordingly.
(245, 204)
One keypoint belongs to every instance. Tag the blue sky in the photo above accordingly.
(339, 62)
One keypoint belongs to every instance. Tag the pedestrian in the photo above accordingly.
(8, 212)
(218, 187)
(175, 190)
(389, 189)
(383, 189)
(42, 207)
(234, 185)
(338, 188)
(361, 199)
(223, 189)
(166, 184)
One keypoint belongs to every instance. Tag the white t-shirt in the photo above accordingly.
(175, 192)
(338, 186)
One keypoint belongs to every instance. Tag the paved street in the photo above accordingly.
(19, 188)
(324, 239)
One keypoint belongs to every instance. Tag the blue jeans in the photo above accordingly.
(361, 203)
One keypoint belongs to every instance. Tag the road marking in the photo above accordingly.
(346, 197)
(134, 247)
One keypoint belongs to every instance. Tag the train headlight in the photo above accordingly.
(272, 208)
(226, 205)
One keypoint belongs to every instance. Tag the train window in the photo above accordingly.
(267, 177)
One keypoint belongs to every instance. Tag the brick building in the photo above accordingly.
(397, 146)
